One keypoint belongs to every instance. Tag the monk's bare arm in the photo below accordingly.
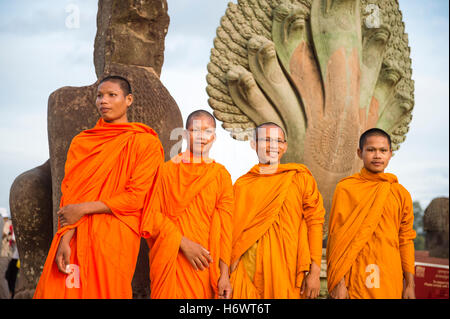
(311, 284)
(409, 286)
(224, 285)
(224, 269)
(62, 258)
(72, 213)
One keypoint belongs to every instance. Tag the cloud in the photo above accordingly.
(183, 51)
(199, 17)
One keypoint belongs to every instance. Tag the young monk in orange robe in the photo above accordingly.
(189, 229)
(109, 172)
(277, 225)
(370, 249)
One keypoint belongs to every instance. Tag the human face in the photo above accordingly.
(270, 145)
(375, 154)
(201, 135)
(112, 103)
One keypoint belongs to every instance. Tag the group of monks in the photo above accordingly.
(259, 238)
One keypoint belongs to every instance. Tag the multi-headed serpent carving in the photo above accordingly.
(325, 70)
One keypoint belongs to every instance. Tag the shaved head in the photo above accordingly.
(197, 115)
(267, 124)
(373, 132)
(123, 83)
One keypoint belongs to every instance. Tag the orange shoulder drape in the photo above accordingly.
(116, 164)
(371, 234)
(195, 200)
(282, 213)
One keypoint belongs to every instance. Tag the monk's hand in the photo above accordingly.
(62, 258)
(70, 214)
(409, 293)
(340, 291)
(409, 287)
(224, 287)
(311, 284)
(195, 253)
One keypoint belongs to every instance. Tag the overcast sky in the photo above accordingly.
(42, 51)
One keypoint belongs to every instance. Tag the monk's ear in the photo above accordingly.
(285, 147)
(185, 134)
(253, 144)
(359, 152)
(129, 100)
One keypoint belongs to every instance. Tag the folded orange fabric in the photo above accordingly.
(195, 200)
(371, 234)
(282, 213)
(116, 164)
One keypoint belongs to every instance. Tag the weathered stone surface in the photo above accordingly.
(436, 226)
(31, 211)
(4, 290)
(130, 32)
(325, 71)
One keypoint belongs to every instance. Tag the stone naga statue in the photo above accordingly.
(436, 226)
(324, 70)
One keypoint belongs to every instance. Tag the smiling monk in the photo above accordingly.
(109, 173)
(189, 227)
(370, 249)
(277, 225)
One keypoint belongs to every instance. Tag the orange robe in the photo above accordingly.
(371, 234)
(195, 200)
(277, 231)
(116, 164)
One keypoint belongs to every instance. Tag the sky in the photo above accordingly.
(44, 48)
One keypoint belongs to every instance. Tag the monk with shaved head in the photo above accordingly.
(109, 174)
(189, 227)
(277, 225)
(370, 248)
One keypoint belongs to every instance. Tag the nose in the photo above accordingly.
(101, 99)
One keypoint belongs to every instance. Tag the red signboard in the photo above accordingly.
(431, 281)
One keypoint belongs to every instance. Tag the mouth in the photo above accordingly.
(377, 163)
(200, 144)
(273, 153)
(104, 109)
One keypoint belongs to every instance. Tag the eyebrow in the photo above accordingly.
(108, 91)
(380, 148)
